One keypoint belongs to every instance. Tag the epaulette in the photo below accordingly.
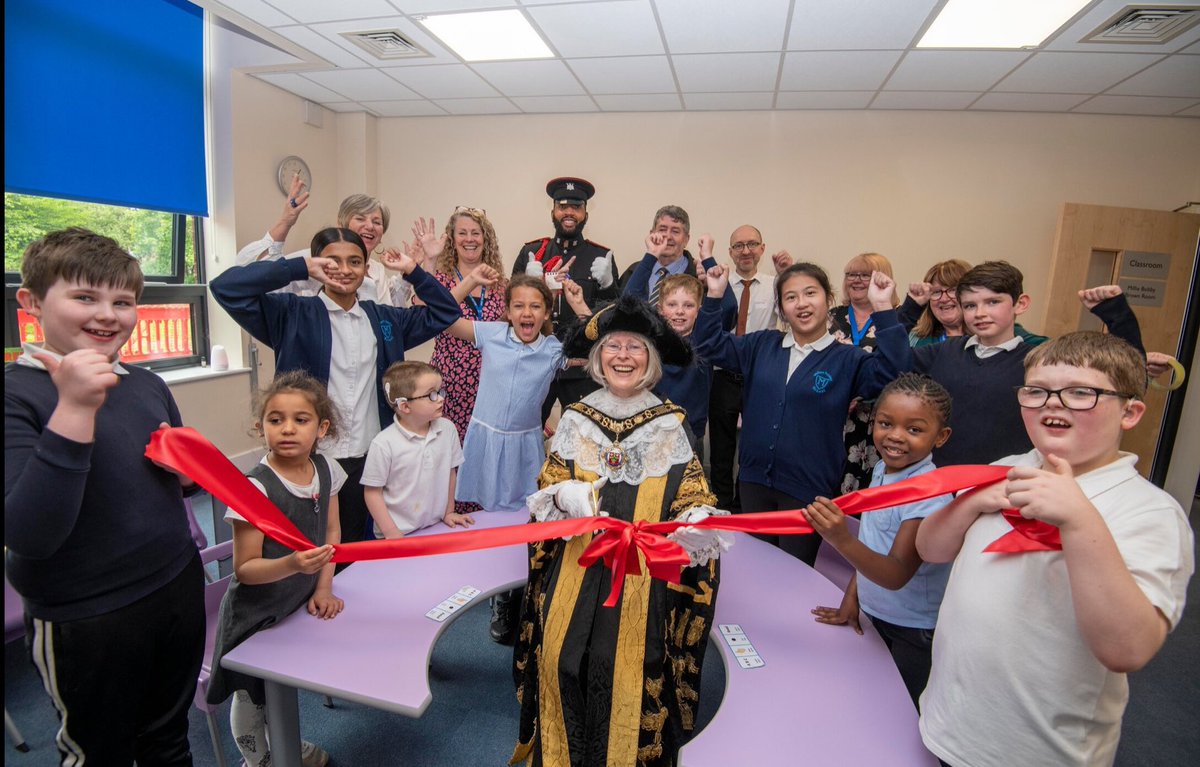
(595, 244)
(536, 243)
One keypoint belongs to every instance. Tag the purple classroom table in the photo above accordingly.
(825, 695)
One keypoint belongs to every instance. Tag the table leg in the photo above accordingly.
(283, 724)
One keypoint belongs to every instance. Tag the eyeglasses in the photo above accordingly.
(949, 293)
(1072, 398)
(433, 396)
(473, 211)
(738, 247)
(633, 348)
(858, 276)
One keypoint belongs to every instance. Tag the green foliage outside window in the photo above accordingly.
(144, 233)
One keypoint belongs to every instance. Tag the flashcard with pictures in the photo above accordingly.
(454, 603)
(751, 661)
(437, 614)
(730, 628)
(734, 640)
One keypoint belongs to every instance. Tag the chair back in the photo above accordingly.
(213, 594)
(14, 613)
(194, 527)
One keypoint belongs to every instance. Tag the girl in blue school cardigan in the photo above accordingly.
(798, 387)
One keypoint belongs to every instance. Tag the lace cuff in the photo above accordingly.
(702, 544)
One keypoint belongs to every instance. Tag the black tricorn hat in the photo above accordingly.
(569, 189)
(629, 314)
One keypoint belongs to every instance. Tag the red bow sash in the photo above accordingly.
(185, 450)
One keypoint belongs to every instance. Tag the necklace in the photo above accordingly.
(614, 455)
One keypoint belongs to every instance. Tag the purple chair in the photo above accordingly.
(213, 594)
(14, 628)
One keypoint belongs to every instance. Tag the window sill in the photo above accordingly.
(198, 373)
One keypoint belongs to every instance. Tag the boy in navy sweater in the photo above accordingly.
(96, 535)
(981, 367)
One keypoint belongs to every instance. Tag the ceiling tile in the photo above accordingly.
(952, 70)
(312, 11)
(301, 87)
(1029, 102)
(836, 70)
(1176, 76)
(625, 28)
(824, 100)
(1070, 38)
(333, 31)
(332, 52)
(494, 106)
(530, 78)
(403, 108)
(446, 6)
(859, 25)
(361, 84)
(545, 104)
(923, 100)
(699, 26)
(343, 106)
(631, 74)
(640, 102)
(728, 101)
(1135, 105)
(257, 10)
(1050, 72)
(443, 81)
(1190, 112)
(727, 71)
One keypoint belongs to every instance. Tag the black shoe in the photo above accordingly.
(503, 618)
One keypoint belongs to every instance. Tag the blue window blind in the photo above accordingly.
(104, 102)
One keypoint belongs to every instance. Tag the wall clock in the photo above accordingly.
(289, 167)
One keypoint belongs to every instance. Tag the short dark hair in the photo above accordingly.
(808, 269)
(333, 234)
(923, 388)
(996, 276)
(675, 212)
(79, 255)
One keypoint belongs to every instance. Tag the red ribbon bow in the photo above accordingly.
(185, 450)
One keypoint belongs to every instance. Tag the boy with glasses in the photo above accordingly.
(1033, 647)
(412, 466)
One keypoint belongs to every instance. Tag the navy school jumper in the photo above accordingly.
(297, 327)
(792, 429)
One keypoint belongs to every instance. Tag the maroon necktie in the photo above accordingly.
(743, 307)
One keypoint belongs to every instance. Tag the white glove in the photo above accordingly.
(579, 499)
(533, 267)
(701, 544)
(602, 271)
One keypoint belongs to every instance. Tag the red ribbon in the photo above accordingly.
(185, 450)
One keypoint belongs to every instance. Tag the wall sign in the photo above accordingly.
(1153, 265)
(1141, 292)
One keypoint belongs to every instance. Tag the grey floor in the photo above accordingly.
(473, 717)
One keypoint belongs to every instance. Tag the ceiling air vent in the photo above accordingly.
(1146, 24)
(386, 44)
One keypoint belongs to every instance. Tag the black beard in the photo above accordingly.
(560, 234)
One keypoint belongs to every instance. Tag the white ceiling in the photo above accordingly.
(673, 55)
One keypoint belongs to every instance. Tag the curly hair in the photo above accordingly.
(447, 262)
(299, 382)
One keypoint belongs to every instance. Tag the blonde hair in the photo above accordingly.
(1112, 356)
(447, 262)
(400, 379)
(878, 263)
(654, 368)
(680, 282)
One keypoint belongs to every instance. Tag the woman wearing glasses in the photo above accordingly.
(468, 241)
(851, 323)
(616, 685)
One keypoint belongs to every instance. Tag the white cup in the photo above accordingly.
(219, 359)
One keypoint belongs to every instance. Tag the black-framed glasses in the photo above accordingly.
(433, 396)
(950, 293)
(1072, 397)
(738, 247)
(468, 209)
(858, 276)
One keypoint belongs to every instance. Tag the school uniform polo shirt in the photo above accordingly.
(414, 472)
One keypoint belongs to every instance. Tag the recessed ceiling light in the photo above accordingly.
(488, 35)
(998, 23)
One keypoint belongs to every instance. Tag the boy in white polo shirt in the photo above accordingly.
(411, 467)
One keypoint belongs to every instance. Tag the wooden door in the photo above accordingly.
(1152, 255)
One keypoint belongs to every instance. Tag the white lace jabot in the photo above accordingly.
(650, 449)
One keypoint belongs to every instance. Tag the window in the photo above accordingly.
(172, 326)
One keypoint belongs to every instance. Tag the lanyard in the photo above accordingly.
(857, 333)
(476, 303)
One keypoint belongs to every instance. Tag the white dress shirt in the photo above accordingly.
(761, 314)
(352, 380)
(983, 352)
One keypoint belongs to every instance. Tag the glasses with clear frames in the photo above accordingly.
(633, 348)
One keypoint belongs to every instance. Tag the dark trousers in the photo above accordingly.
(352, 506)
(567, 391)
(762, 498)
(724, 408)
(912, 650)
(123, 682)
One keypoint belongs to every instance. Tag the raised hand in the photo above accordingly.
(483, 275)
(431, 240)
(919, 292)
(1089, 297)
(782, 260)
(296, 202)
(718, 280)
(82, 377)
(559, 274)
(705, 245)
(392, 258)
(656, 243)
(602, 271)
(880, 292)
